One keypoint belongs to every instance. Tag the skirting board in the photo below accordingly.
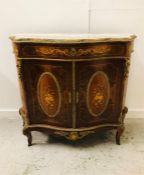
(9, 113)
(13, 113)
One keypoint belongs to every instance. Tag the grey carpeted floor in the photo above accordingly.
(94, 155)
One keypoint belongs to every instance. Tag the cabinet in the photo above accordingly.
(72, 85)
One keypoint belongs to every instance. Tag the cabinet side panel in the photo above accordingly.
(19, 65)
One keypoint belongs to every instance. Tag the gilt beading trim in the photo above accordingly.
(19, 67)
(75, 59)
(126, 70)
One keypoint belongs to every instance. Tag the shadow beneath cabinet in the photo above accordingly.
(86, 142)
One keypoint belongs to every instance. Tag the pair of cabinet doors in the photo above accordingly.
(73, 94)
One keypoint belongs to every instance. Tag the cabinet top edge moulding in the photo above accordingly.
(71, 38)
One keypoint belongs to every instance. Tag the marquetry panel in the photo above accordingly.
(98, 92)
(49, 95)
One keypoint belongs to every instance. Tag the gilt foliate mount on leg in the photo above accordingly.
(121, 128)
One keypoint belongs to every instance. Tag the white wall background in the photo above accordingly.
(70, 16)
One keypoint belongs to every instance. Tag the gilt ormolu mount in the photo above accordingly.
(72, 85)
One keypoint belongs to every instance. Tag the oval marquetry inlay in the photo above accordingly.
(49, 94)
(98, 92)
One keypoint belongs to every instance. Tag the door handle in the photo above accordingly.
(69, 97)
(77, 97)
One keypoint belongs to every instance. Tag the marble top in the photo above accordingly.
(70, 38)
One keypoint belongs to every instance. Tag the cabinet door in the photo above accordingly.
(99, 91)
(48, 91)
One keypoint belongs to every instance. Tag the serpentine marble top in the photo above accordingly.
(70, 38)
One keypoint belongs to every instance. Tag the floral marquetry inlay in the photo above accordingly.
(49, 100)
(98, 92)
(49, 94)
(53, 51)
(98, 98)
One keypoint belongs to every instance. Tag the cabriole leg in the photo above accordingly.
(29, 136)
(121, 128)
(119, 132)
